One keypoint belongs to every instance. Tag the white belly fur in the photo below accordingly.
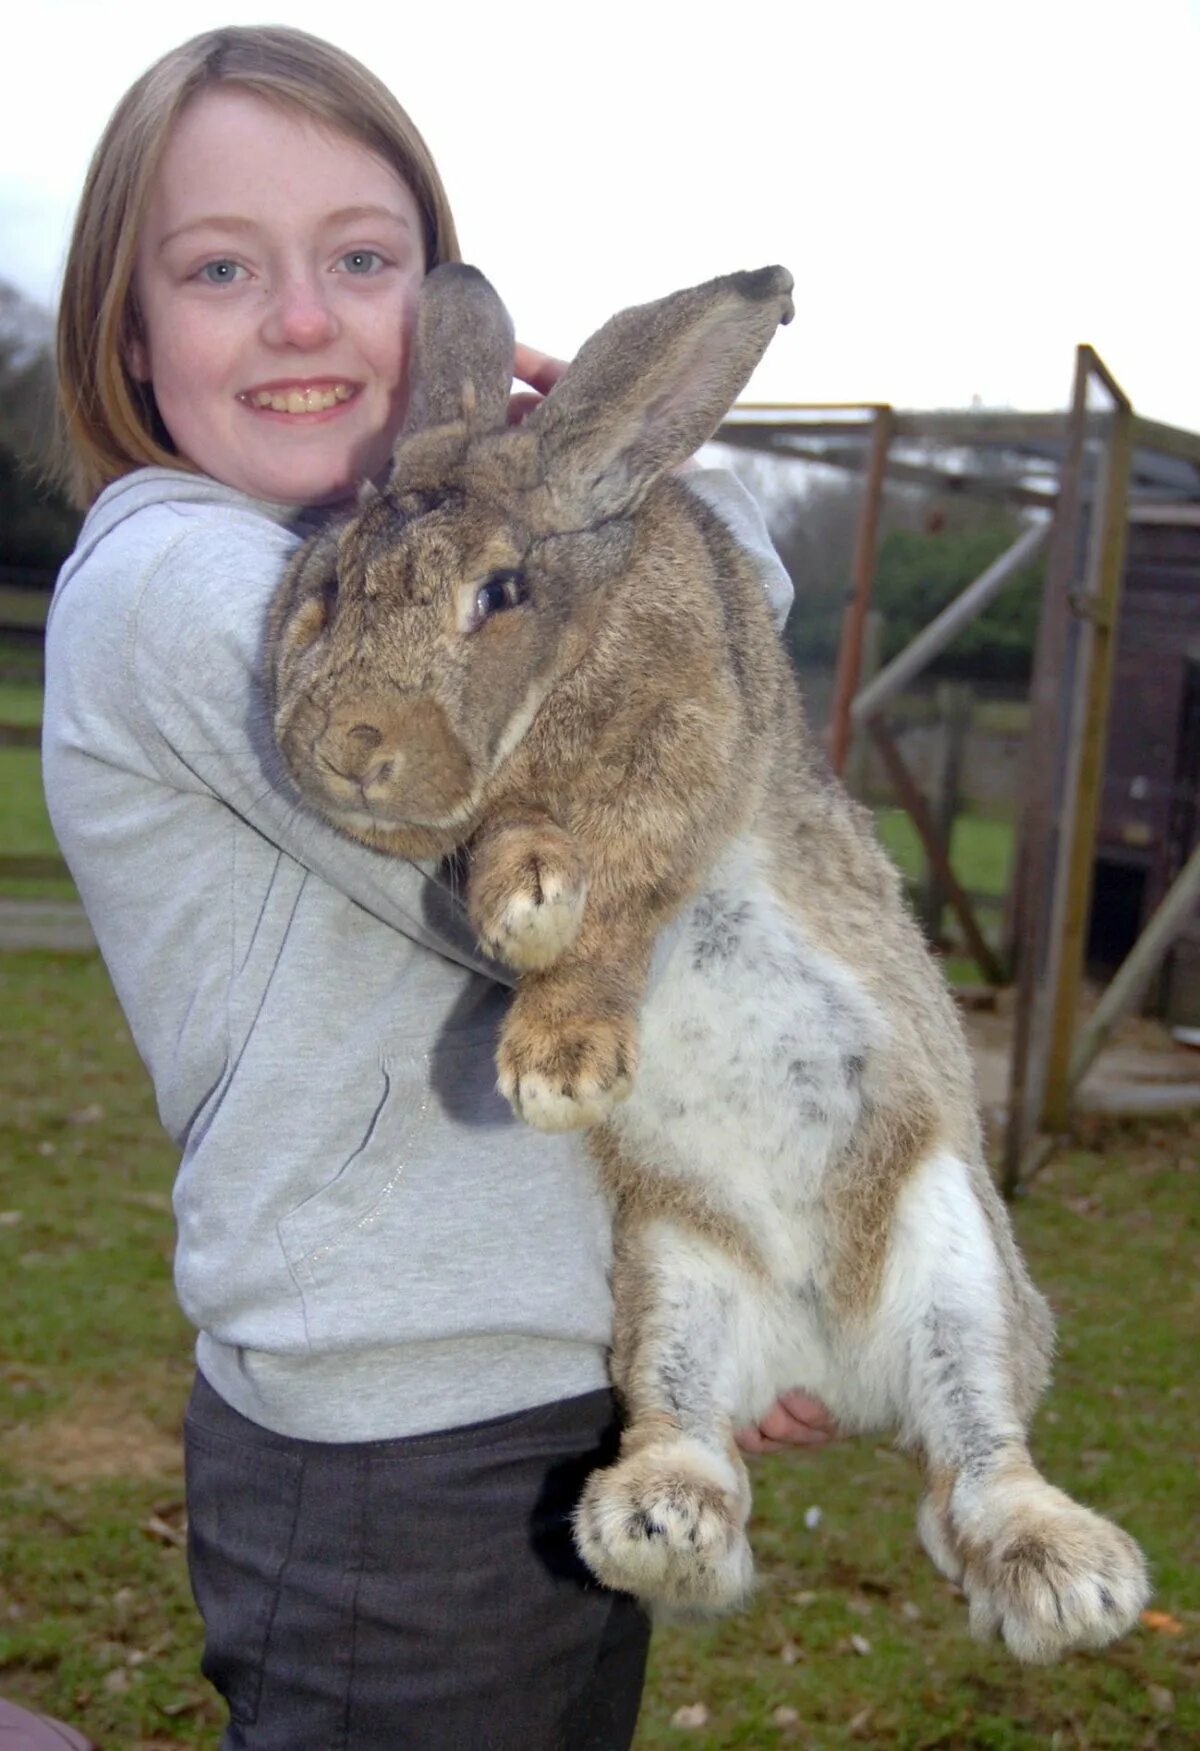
(754, 1047)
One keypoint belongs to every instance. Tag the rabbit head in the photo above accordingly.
(411, 645)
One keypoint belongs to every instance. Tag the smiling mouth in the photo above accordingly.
(318, 398)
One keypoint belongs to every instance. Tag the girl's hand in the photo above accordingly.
(541, 372)
(794, 1420)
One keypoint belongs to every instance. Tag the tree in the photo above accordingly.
(38, 525)
(932, 544)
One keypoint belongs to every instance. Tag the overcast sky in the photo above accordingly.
(963, 191)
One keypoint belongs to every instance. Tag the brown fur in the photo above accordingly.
(595, 742)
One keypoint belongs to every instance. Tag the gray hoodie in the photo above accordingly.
(368, 1243)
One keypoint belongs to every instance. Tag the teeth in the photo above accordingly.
(301, 400)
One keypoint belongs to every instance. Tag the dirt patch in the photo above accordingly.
(93, 1439)
(1140, 1062)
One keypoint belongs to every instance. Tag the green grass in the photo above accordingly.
(95, 1620)
(980, 849)
(20, 705)
(25, 828)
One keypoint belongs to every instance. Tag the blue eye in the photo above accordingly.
(362, 261)
(221, 273)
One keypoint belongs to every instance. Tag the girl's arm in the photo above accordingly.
(155, 697)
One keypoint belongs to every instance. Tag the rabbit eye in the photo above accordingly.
(502, 590)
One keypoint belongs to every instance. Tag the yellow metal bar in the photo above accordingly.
(1101, 613)
(849, 663)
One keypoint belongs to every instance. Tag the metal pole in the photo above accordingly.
(1036, 860)
(1099, 610)
(849, 662)
(949, 623)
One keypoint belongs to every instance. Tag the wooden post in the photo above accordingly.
(1129, 983)
(1098, 607)
(955, 706)
(1037, 852)
(850, 647)
(911, 799)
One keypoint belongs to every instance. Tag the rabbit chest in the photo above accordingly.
(755, 1047)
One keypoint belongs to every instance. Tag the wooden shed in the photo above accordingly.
(1150, 812)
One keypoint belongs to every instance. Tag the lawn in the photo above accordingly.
(25, 829)
(853, 1639)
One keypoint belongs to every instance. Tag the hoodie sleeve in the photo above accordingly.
(724, 493)
(193, 681)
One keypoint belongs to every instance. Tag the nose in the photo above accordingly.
(300, 314)
(402, 754)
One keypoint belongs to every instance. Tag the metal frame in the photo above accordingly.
(1096, 465)
(1066, 749)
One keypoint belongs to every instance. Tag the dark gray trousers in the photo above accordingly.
(421, 1593)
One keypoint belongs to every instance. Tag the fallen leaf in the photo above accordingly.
(858, 1722)
(812, 1518)
(789, 1653)
(157, 1527)
(1161, 1697)
(860, 1644)
(785, 1716)
(183, 1706)
(692, 1714)
(910, 1611)
(1162, 1623)
(88, 1115)
(10, 1218)
(805, 1597)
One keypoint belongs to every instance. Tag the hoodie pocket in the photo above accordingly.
(330, 1219)
(365, 1249)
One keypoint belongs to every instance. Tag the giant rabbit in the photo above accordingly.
(538, 647)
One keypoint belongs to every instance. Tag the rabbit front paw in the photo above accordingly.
(565, 1076)
(527, 894)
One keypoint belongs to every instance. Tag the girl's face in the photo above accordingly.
(275, 280)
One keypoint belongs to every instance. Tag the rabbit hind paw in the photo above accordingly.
(668, 1525)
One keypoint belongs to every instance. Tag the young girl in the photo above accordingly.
(400, 1294)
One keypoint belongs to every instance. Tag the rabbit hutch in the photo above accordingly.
(1150, 813)
(1107, 874)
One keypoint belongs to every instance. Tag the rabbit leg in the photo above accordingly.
(667, 1521)
(1038, 1569)
(527, 890)
(568, 1048)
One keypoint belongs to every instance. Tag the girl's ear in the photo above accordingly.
(136, 356)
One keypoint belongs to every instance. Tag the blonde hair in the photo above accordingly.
(110, 422)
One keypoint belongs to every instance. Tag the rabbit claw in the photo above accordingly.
(568, 1078)
(528, 893)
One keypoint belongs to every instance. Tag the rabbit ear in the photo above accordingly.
(462, 355)
(650, 386)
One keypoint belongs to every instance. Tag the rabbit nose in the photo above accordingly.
(364, 738)
(402, 753)
(357, 743)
